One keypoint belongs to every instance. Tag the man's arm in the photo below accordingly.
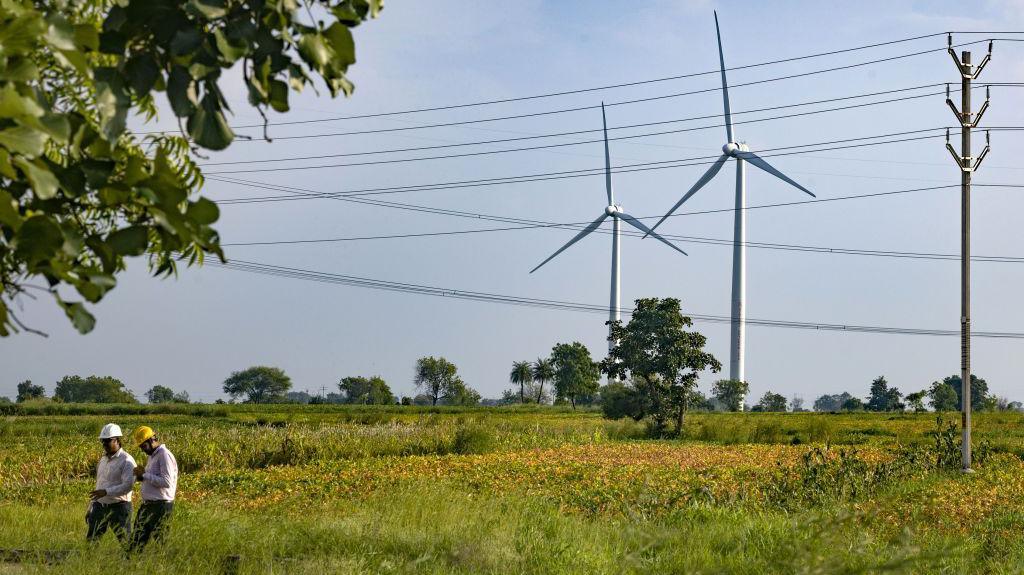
(126, 478)
(161, 475)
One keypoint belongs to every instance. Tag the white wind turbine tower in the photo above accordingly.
(742, 154)
(615, 212)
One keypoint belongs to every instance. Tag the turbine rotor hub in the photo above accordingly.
(731, 148)
(612, 210)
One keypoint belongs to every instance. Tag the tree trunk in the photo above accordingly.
(540, 391)
(680, 418)
(572, 400)
(522, 392)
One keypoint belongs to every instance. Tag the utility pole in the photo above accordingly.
(967, 165)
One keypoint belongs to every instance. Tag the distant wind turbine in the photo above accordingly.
(742, 154)
(615, 212)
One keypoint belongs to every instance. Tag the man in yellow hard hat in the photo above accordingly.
(110, 505)
(159, 487)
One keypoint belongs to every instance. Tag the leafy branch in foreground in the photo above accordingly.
(79, 192)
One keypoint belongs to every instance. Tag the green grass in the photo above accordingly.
(523, 491)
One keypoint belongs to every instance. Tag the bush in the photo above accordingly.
(619, 400)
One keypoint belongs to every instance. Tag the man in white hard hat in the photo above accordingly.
(111, 502)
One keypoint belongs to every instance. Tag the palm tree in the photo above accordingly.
(543, 371)
(522, 375)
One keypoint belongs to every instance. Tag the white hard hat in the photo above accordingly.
(110, 430)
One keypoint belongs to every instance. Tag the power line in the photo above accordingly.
(668, 96)
(629, 137)
(564, 144)
(675, 237)
(632, 84)
(487, 297)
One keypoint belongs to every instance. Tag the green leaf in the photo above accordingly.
(207, 125)
(19, 69)
(79, 316)
(314, 51)
(9, 215)
(87, 37)
(230, 51)
(59, 33)
(15, 105)
(44, 183)
(23, 140)
(279, 96)
(38, 239)
(112, 102)
(346, 14)
(131, 241)
(6, 168)
(340, 39)
(210, 9)
(186, 41)
(203, 211)
(142, 73)
(181, 92)
(21, 34)
(57, 126)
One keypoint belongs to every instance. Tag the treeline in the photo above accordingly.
(944, 395)
(93, 389)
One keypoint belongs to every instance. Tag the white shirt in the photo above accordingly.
(160, 481)
(115, 474)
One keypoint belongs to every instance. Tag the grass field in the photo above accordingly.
(505, 490)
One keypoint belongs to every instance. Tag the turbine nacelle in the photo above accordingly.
(732, 148)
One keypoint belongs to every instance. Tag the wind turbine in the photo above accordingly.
(742, 154)
(615, 212)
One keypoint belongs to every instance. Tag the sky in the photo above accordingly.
(192, 332)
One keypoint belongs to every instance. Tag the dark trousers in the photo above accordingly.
(114, 516)
(150, 523)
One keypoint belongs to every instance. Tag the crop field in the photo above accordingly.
(316, 489)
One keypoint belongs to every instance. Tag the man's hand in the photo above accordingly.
(139, 470)
(98, 493)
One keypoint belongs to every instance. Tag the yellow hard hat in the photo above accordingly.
(141, 434)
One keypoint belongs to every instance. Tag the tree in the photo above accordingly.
(92, 389)
(368, 391)
(259, 384)
(916, 400)
(438, 378)
(302, 397)
(730, 393)
(831, 402)
(520, 375)
(162, 394)
(543, 371)
(79, 192)
(576, 373)
(461, 394)
(883, 397)
(4, 400)
(771, 402)
(943, 397)
(662, 359)
(27, 390)
(619, 400)
(979, 392)
(852, 404)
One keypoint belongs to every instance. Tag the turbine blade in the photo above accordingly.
(607, 161)
(578, 237)
(708, 175)
(760, 163)
(648, 231)
(725, 85)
